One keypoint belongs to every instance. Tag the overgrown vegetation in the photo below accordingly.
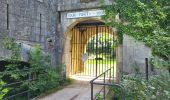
(44, 76)
(137, 88)
(145, 20)
(10, 44)
(3, 90)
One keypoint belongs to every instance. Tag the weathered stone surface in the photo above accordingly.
(27, 27)
(134, 54)
(24, 20)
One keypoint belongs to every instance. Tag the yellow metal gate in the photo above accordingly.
(93, 49)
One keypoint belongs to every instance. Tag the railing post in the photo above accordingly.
(91, 90)
(146, 68)
(104, 87)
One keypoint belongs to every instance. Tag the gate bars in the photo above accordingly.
(93, 49)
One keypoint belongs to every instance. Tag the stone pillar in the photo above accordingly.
(119, 64)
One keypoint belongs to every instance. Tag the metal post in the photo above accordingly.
(104, 87)
(146, 68)
(91, 90)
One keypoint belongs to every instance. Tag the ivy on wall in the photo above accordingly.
(145, 20)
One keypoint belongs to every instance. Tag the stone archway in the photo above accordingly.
(68, 46)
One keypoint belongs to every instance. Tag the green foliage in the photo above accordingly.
(137, 88)
(99, 96)
(145, 20)
(46, 76)
(103, 43)
(3, 91)
(10, 44)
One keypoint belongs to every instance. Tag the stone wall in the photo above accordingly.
(65, 5)
(134, 54)
(40, 21)
(29, 21)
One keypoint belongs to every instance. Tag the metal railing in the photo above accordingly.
(104, 84)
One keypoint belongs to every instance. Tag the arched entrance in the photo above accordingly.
(92, 49)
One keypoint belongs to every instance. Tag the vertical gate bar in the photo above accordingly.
(88, 61)
(114, 54)
(75, 56)
(102, 47)
(96, 48)
(76, 51)
(110, 50)
(84, 45)
(89, 32)
(104, 87)
(93, 61)
(108, 66)
(79, 46)
(100, 61)
(107, 30)
(105, 49)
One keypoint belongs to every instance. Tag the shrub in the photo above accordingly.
(45, 75)
(137, 88)
(3, 91)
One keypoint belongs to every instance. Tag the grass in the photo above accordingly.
(102, 66)
(93, 61)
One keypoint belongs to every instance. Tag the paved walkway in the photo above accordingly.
(79, 90)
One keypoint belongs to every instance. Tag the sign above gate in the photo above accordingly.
(95, 13)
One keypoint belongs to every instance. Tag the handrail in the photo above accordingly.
(105, 84)
(100, 75)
